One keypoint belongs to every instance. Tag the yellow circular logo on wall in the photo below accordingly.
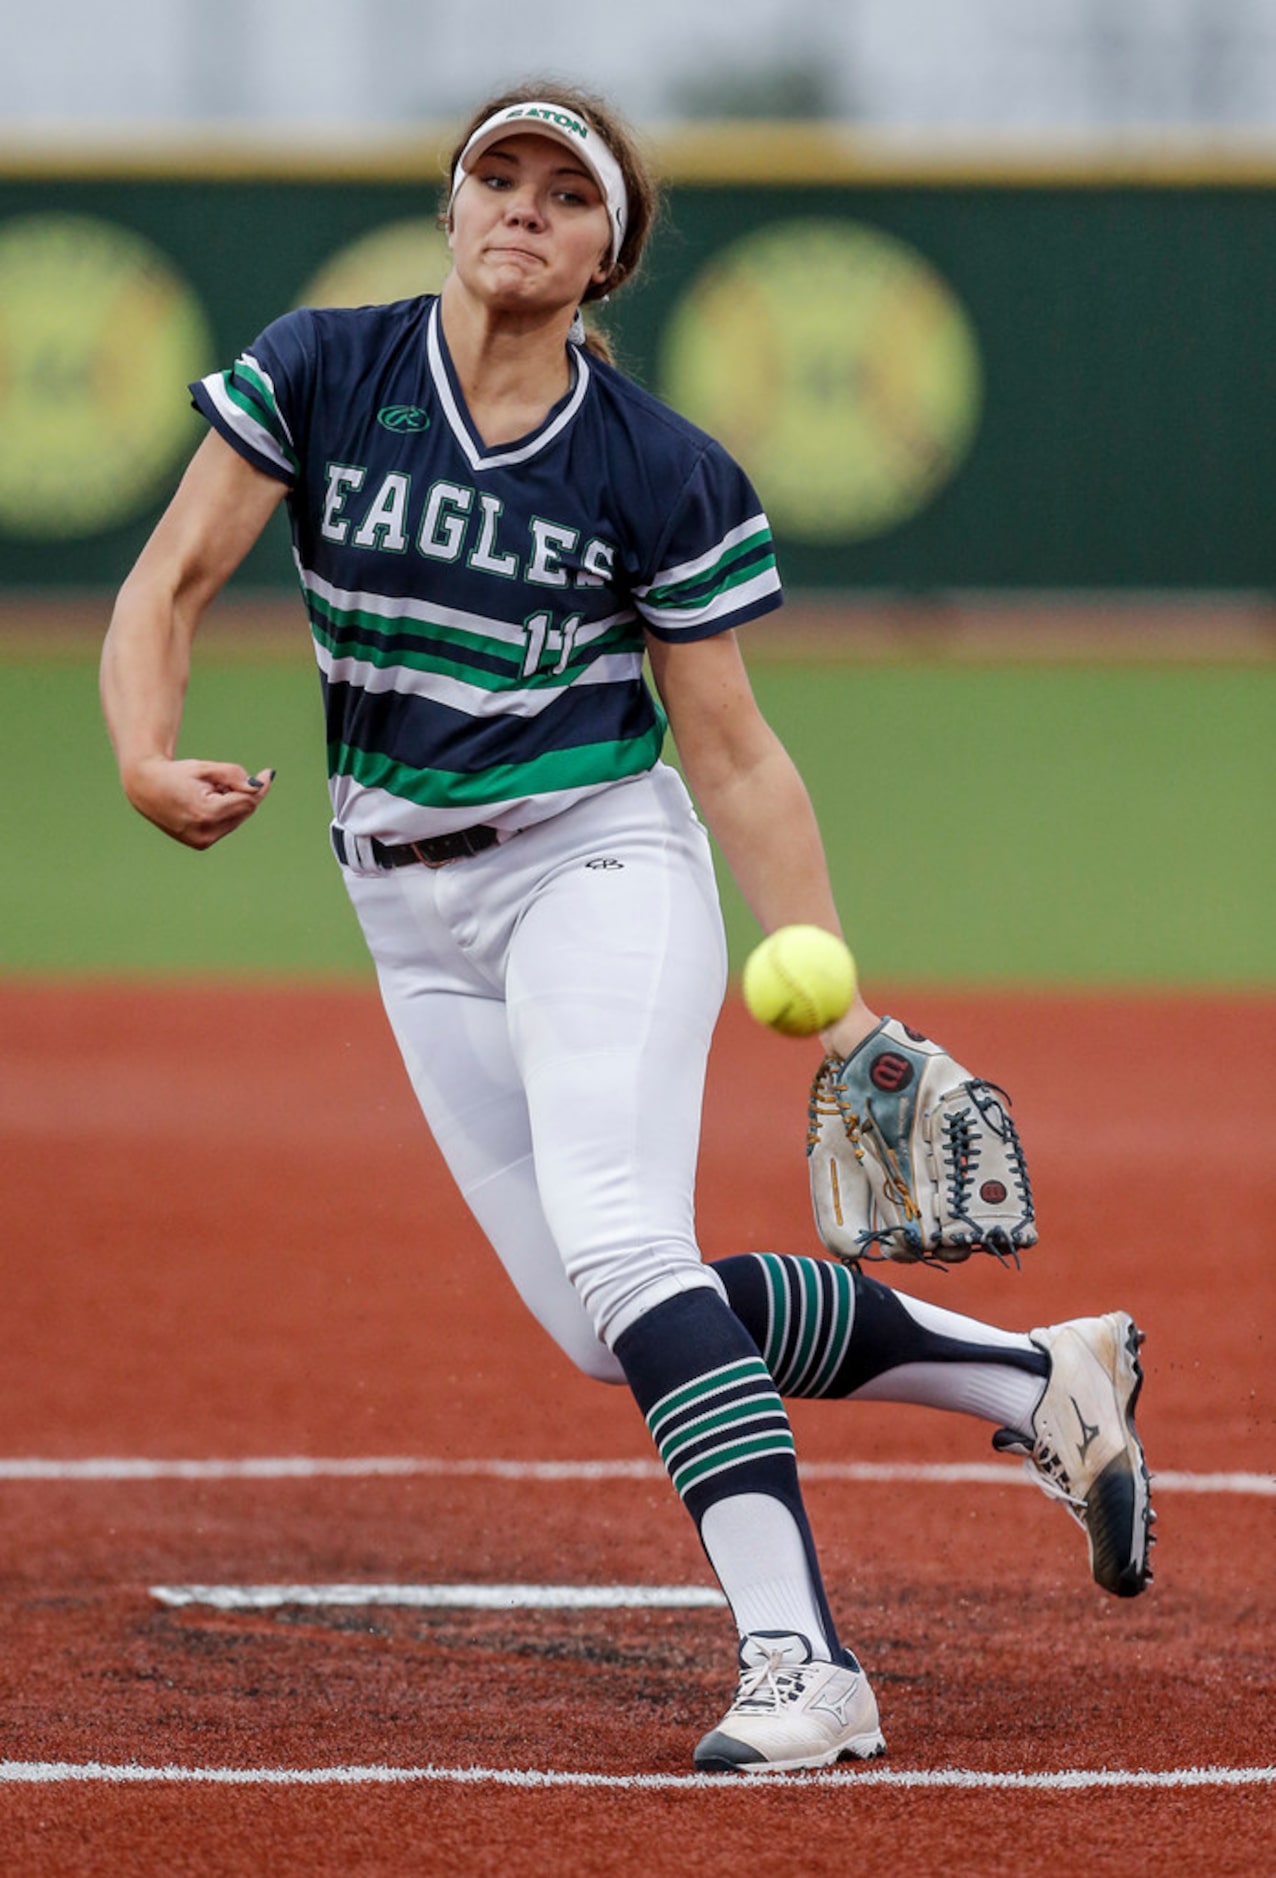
(394, 262)
(837, 365)
(99, 337)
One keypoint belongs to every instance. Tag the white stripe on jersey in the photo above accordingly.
(473, 700)
(426, 613)
(703, 562)
(269, 383)
(445, 687)
(672, 617)
(474, 455)
(254, 434)
(403, 608)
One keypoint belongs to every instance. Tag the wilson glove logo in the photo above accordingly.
(403, 417)
(891, 1072)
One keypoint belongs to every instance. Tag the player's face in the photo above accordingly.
(529, 226)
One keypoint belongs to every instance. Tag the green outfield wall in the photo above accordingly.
(939, 377)
(1102, 826)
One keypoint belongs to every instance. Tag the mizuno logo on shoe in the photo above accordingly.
(1088, 1432)
(836, 1705)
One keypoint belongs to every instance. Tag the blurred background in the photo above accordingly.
(1112, 68)
(982, 298)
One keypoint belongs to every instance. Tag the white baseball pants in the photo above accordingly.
(554, 1000)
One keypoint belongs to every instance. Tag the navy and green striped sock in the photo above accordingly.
(715, 1414)
(826, 1330)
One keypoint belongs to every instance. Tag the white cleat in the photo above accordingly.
(1084, 1448)
(791, 1711)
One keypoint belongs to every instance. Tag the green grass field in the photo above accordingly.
(1084, 825)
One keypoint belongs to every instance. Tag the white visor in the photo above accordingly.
(555, 120)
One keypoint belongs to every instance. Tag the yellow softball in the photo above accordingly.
(799, 980)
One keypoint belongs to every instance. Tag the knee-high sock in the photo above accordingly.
(824, 1330)
(722, 1431)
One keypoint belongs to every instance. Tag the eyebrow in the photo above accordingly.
(561, 169)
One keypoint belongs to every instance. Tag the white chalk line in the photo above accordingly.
(368, 1467)
(442, 1597)
(37, 1773)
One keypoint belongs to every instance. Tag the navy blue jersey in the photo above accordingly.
(479, 614)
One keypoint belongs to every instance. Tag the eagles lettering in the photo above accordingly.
(455, 521)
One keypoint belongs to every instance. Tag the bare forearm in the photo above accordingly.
(750, 793)
(144, 672)
(764, 823)
(219, 510)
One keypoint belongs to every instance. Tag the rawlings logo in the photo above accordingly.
(992, 1193)
(403, 417)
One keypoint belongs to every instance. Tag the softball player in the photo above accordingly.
(492, 528)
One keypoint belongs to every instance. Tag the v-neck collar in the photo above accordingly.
(477, 455)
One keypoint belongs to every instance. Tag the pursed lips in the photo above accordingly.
(503, 250)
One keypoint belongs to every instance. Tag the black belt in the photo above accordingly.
(434, 851)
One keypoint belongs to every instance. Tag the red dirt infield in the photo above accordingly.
(227, 1237)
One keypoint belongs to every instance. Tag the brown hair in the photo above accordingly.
(640, 184)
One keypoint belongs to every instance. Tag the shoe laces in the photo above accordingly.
(768, 1686)
(1046, 1468)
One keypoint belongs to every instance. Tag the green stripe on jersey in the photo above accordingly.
(583, 767)
(712, 605)
(251, 376)
(262, 410)
(354, 633)
(357, 632)
(349, 643)
(742, 561)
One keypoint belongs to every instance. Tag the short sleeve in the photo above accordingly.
(716, 561)
(254, 404)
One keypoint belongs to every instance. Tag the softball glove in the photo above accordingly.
(912, 1158)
